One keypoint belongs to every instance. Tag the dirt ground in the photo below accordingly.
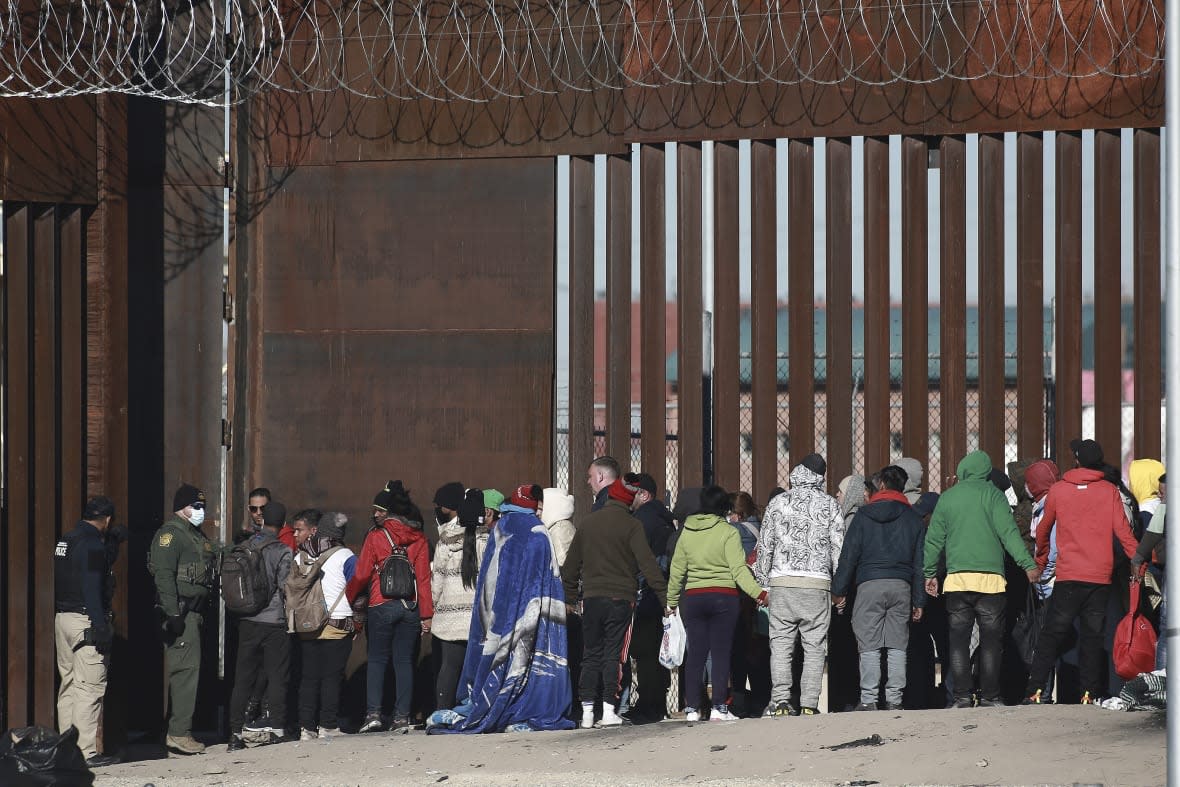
(1068, 745)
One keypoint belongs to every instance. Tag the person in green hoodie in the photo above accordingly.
(972, 526)
(710, 565)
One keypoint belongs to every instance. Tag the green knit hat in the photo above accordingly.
(493, 499)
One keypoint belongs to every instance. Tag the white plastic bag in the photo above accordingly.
(672, 644)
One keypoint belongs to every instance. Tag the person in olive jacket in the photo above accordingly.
(183, 564)
(608, 553)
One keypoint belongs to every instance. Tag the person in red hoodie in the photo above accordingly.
(394, 624)
(1087, 512)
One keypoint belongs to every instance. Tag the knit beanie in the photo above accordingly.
(274, 514)
(383, 498)
(186, 496)
(527, 496)
(449, 495)
(815, 463)
(622, 491)
(332, 525)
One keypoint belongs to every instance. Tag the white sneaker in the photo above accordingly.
(722, 715)
(328, 734)
(691, 714)
(588, 718)
(307, 735)
(610, 718)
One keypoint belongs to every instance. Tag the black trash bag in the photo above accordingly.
(38, 757)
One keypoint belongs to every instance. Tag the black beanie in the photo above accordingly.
(384, 497)
(815, 463)
(450, 495)
(98, 507)
(186, 496)
(274, 514)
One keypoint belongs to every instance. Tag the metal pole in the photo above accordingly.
(225, 316)
(1172, 356)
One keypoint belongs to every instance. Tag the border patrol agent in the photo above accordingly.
(183, 562)
(82, 626)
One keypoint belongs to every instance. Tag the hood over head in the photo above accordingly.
(1144, 477)
(557, 504)
(1039, 476)
(913, 469)
(1016, 471)
(688, 502)
(975, 466)
(803, 477)
(853, 489)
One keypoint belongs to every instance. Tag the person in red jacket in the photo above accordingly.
(1087, 511)
(394, 624)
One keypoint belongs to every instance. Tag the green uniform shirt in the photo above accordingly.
(183, 562)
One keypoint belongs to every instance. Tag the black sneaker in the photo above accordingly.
(235, 743)
(985, 703)
(866, 706)
(785, 709)
(401, 724)
(964, 702)
(102, 760)
(372, 723)
(892, 706)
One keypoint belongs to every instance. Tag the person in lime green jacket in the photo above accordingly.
(709, 564)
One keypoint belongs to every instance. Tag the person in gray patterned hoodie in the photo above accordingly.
(798, 551)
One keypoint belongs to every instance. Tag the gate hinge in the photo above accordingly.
(227, 306)
(227, 434)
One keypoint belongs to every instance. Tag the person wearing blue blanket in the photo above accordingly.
(515, 673)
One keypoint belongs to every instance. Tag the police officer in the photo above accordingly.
(183, 562)
(82, 626)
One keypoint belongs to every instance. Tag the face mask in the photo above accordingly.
(197, 517)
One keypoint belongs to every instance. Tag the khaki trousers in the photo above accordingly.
(83, 681)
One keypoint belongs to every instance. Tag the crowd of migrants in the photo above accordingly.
(537, 617)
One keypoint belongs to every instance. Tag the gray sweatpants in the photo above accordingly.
(805, 613)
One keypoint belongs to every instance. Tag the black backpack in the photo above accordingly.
(246, 585)
(397, 575)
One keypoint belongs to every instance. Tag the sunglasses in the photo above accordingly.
(198, 506)
(254, 509)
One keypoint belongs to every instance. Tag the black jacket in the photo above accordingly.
(885, 540)
(80, 573)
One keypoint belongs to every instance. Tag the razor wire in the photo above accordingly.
(468, 50)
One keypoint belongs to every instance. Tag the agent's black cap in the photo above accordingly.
(186, 496)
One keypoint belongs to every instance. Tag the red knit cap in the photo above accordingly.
(622, 491)
(523, 496)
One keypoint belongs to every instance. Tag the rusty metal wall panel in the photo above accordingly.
(1030, 299)
(726, 318)
(1108, 296)
(876, 340)
(915, 327)
(581, 374)
(839, 309)
(1148, 289)
(409, 395)
(1069, 296)
(50, 150)
(46, 521)
(690, 311)
(764, 317)
(801, 297)
(653, 318)
(992, 427)
(72, 364)
(19, 505)
(618, 309)
(953, 309)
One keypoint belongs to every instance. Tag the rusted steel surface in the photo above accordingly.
(690, 314)
(726, 317)
(992, 429)
(1069, 296)
(653, 319)
(915, 325)
(439, 383)
(51, 150)
(839, 309)
(618, 309)
(1148, 291)
(72, 449)
(953, 308)
(877, 329)
(1030, 298)
(44, 451)
(1108, 296)
(581, 373)
(801, 297)
(764, 317)
(19, 506)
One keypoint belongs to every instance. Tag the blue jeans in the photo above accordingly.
(393, 631)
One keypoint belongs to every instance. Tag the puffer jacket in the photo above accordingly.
(802, 533)
(453, 602)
